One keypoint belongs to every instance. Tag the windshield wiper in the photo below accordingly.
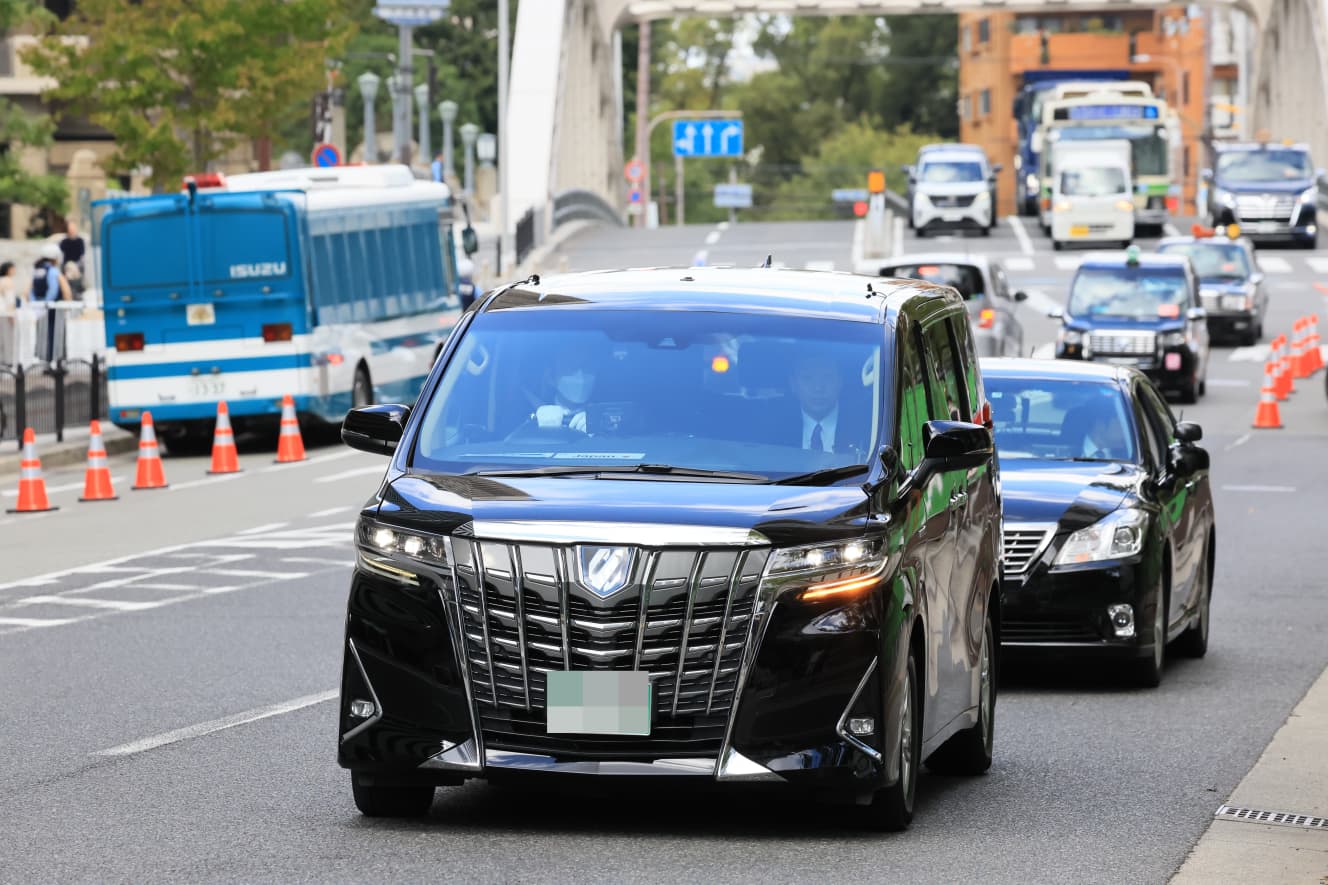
(648, 469)
(823, 477)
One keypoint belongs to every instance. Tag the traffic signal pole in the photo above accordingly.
(642, 117)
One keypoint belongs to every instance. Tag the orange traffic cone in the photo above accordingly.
(1266, 417)
(31, 487)
(1316, 353)
(1298, 351)
(150, 474)
(1284, 385)
(97, 482)
(290, 445)
(225, 457)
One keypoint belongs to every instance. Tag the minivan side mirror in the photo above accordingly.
(470, 241)
(1196, 313)
(1056, 313)
(1020, 295)
(955, 445)
(1206, 174)
(1188, 432)
(375, 429)
(1257, 277)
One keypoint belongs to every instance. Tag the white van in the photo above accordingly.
(1092, 193)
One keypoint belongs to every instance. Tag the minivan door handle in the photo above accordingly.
(959, 497)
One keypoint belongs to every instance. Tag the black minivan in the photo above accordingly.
(722, 524)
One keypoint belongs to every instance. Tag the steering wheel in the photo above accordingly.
(531, 432)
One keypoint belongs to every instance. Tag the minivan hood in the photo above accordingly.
(786, 514)
(1272, 186)
(1072, 493)
(952, 189)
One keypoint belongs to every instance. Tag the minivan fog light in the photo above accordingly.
(362, 709)
(1122, 620)
(862, 726)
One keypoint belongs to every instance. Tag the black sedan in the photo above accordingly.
(1109, 527)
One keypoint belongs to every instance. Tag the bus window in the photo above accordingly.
(162, 237)
(244, 245)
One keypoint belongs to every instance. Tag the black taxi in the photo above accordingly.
(1139, 310)
(1231, 285)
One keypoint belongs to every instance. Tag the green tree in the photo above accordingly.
(178, 83)
(19, 129)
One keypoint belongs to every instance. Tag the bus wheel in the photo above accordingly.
(361, 392)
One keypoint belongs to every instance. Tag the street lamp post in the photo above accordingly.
(486, 149)
(448, 111)
(469, 132)
(368, 83)
(422, 102)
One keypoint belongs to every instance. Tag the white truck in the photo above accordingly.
(1091, 192)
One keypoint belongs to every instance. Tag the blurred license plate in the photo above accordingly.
(1172, 362)
(1079, 230)
(601, 702)
(201, 314)
(952, 216)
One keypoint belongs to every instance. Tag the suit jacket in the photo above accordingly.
(851, 429)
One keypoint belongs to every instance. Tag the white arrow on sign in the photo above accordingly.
(687, 145)
(730, 131)
(707, 130)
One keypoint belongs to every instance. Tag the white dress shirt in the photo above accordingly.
(828, 424)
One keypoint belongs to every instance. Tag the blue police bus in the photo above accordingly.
(337, 286)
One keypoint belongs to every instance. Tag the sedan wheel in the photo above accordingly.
(1148, 672)
(1194, 641)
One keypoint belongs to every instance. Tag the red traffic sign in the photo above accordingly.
(326, 155)
(634, 195)
(635, 170)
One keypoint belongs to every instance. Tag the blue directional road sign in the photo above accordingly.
(707, 138)
(733, 196)
(849, 195)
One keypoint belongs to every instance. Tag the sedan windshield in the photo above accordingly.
(1214, 261)
(1266, 165)
(1060, 420)
(653, 393)
(951, 172)
(964, 278)
(1142, 293)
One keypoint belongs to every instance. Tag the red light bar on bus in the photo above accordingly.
(129, 341)
(276, 332)
(204, 180)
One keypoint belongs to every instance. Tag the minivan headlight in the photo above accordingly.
(1171, 339)
(842, 569)
(379, 545)
(1310, 197)
(1114, 536)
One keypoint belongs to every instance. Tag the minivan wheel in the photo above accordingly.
(970, 751)
(376, 800)
(892, 808)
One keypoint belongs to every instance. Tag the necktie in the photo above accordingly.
(817, 444)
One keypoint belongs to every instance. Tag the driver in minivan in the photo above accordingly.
(572, 379)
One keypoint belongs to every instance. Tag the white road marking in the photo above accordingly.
(255, 573)
(1318, 264)
(1274, 264)
(331, 511)
(819, 265)
(211, 480)
(216, 725)
(68, 487)
(1067, 262)
(1255, 353)
(723, 225)
(32, 623)
(259, 529)
(1228, 382)
(1240, 441)
(1258, 488)
(85, 602)
(1020, 234)
(309, 462)
(1170, 230)
(315, 561)
(1041, 301)
(1018, 264)
(1044, 351)
(348, 474)
(193, 587)
(712, 238)
(52, 577)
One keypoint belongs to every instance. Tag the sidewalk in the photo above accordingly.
(1290, 777)
(73, 450)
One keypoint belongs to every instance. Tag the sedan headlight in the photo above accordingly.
(842, 569)
(1310, 197)
(1070, 336)
(1171, 339)
(1234, 302)
(379, 545)
(1115, 536)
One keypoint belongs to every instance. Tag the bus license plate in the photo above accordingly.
(201, 314)
(207, 388)
(1079, 230)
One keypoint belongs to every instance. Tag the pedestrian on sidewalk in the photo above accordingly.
(10, 297)
(436, 167)
(49, 286)
(73, 248)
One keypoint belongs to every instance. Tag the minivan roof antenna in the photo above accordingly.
(769, 261)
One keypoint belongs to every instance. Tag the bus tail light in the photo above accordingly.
(276, 332)
(129, 341)
(987, 318)
(335, 359)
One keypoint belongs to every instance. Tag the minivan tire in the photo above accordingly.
(969, 752)
(376, 800)
(891, 809)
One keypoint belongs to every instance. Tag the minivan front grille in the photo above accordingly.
(684, 618)
(1022, 544)
(1265, 207)
(953, 201)
(1122, 343)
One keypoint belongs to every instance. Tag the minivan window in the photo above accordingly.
(576, 385)
(947, 400)
(951, 172)
(1264, 165)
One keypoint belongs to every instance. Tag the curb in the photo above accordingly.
(64, 454)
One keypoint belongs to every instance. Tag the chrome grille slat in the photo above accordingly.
(693, 585)
(1123, 342)
(1021, 545)
(1261, 207)
(519, 591)
(647, 581)
(560, 569)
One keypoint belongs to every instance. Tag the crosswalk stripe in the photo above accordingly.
(85, 602)
(1019, 263)
(35, 622)
(1067, 262)
(1318, 265)
(1256, 353)
(1274, 264)
(820, 265)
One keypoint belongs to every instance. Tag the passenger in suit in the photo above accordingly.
(824, 421)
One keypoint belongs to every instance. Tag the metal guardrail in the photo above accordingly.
(578, 203)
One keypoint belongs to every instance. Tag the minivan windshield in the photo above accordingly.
(1264, 165)
(951, 172)
(570, 386)
(1142, 293)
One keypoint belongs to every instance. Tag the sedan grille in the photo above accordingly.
(1123, 343)
(1048, 631)
(684, 618)
(1265, 207)
(1022, 544)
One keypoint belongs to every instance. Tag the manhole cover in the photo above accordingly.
(1275, 818)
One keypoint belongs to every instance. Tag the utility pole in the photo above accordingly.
(642, 117)
(504, 195)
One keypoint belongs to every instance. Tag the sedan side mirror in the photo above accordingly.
(1206, 174)
(1020, 295)
(1187, 459)
(1056, 313)
(375, 429)
(1188, 432)
(955, 445)
(996, 168)
(1197, 314)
